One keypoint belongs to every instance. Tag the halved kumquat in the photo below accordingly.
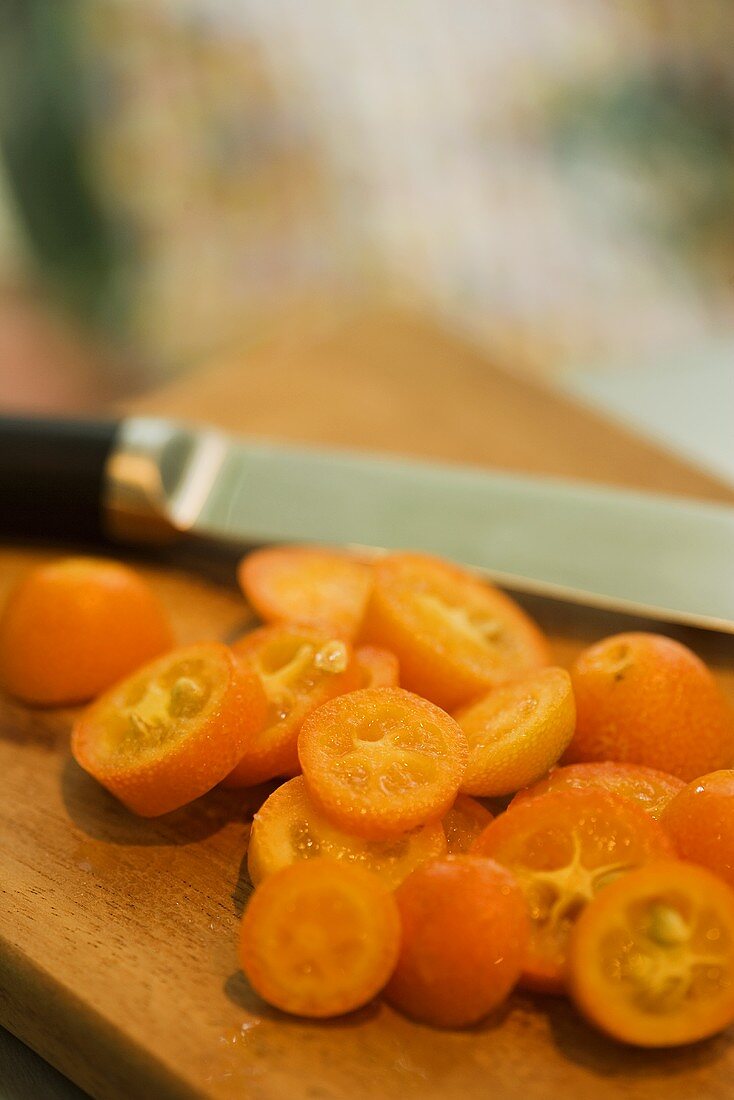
(464, 935)
(517, 732)
(700, 820)
(71, 628)
(381, 761)
(289, 828)
(455, 636)
(314, 586)
(563, 847)
(463, 823)
(172, 730)
(647, 699)
(651, 959)
(319, 938)
(299, 669)
(652, 790)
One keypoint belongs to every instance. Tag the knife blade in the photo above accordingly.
(631, 552)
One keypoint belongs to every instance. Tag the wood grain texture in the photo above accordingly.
(393, 382)
(117, 935)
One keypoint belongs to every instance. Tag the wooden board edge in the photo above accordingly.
(74, 1039)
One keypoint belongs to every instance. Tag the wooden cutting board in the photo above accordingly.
(117, 935)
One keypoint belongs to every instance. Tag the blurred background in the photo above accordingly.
(553, 180)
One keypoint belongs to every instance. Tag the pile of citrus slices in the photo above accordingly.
(387, 698)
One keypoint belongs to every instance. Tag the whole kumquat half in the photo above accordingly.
(381, 761)
(172, 730)
(455, 636)
(71, 628)
(517, 732)
(651, 958)
(319, 938)
(700, 821)
(299, 669)
(463, 823)
(314, 586)
(646, 699)
(464, 936)
(652, 790)
(563, 847)
(289, 828)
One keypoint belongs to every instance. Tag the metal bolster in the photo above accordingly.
(158, 479)
(134, 501)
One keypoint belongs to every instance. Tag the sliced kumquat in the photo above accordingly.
(700, 820)
(381, 761)
(172, 730)
(646, 699)
(651, 959)
(299, 669)
(319, 938)
(454, 636)
(652, 790)
(466, 819)
(313, 586)
(563, 847)
(288, 827)
(380, 668)
(73, 627)
(464, 936)
(517, 732)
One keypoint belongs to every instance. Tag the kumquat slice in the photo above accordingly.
(517, 732)
(651, 959)
(299, 669)
(652, 790)
(455, 636)
(173, 729)
(700, 821)
(310, 585)
(320, 938)
(563, 847)
(647, 699)
(288, 828)
(466, 819)
(464, 936)
(381, 761)
(72, 628)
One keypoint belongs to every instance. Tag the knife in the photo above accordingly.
(154, 481)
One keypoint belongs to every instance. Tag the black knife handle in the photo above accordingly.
(52, 477)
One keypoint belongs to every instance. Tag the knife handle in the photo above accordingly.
(52, 474)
